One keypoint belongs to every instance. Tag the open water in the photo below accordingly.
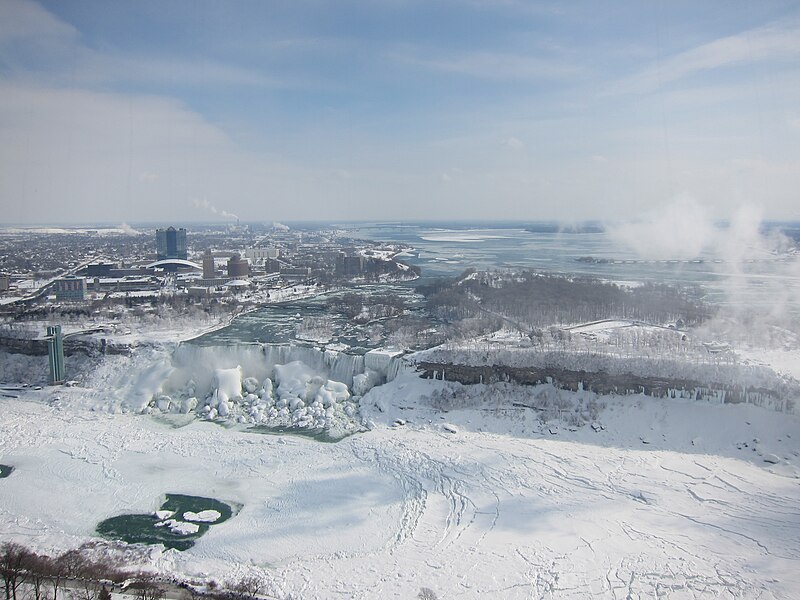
(759, 280)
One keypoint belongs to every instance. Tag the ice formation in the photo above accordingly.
(204, 516)
(276, 385)
(179, 527)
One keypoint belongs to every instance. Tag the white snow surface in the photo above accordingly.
(503, 509)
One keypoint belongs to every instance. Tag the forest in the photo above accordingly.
(528, 300)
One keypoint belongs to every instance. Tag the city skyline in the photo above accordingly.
(405, 110)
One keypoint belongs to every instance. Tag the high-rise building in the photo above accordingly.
(209, 268)
(259, 255)
(171, 243)
(238, 267)
(55, 351)
(70, 288)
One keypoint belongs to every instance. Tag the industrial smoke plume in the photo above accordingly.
(203, 203)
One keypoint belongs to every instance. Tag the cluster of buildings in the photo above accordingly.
(280, 256)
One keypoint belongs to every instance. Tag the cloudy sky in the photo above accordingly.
(144, 110)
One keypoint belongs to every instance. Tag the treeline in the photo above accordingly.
(28, 575)
(531, 299)
(74, 575)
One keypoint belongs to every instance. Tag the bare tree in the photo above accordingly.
(149, 589)
(12, 568)
(248, 587)
(426, 593)
(38, 568)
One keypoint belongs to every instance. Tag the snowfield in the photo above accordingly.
(464, 491)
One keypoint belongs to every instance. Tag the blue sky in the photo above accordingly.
(401, 109)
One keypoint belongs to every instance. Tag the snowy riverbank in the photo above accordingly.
(461, 489)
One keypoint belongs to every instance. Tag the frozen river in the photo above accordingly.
(663, 498)
(747, 271)
(501, 509)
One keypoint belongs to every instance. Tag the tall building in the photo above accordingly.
(70, 288)
(259, 255)
(349, 265)
(55, 351)
(209, 268)
(238, 267)
(171, 243)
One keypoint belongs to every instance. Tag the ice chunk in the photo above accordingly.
(163, 403)
(188, 405)
(338, 389)
(772, 459)
(326, 398)
(179, 527)
(449, 428)
(250, 385)
(293, 377)
(162, 515)
(204, 516)
(229, 381)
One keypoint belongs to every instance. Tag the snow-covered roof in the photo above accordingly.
(174, 261)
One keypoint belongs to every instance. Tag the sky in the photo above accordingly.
(184, 111)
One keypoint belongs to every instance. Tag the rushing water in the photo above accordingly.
(279, 324)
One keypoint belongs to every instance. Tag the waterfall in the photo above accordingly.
(192, 363)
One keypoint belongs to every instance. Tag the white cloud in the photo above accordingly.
(62, 57)
(779, 43)
(93, 68)
(68, 154)
(515, 143)
(21, 19)
(497, 66)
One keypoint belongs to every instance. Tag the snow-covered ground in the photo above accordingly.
(453, 488)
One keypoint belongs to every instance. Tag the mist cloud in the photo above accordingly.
(679, 231)
(757, 269)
